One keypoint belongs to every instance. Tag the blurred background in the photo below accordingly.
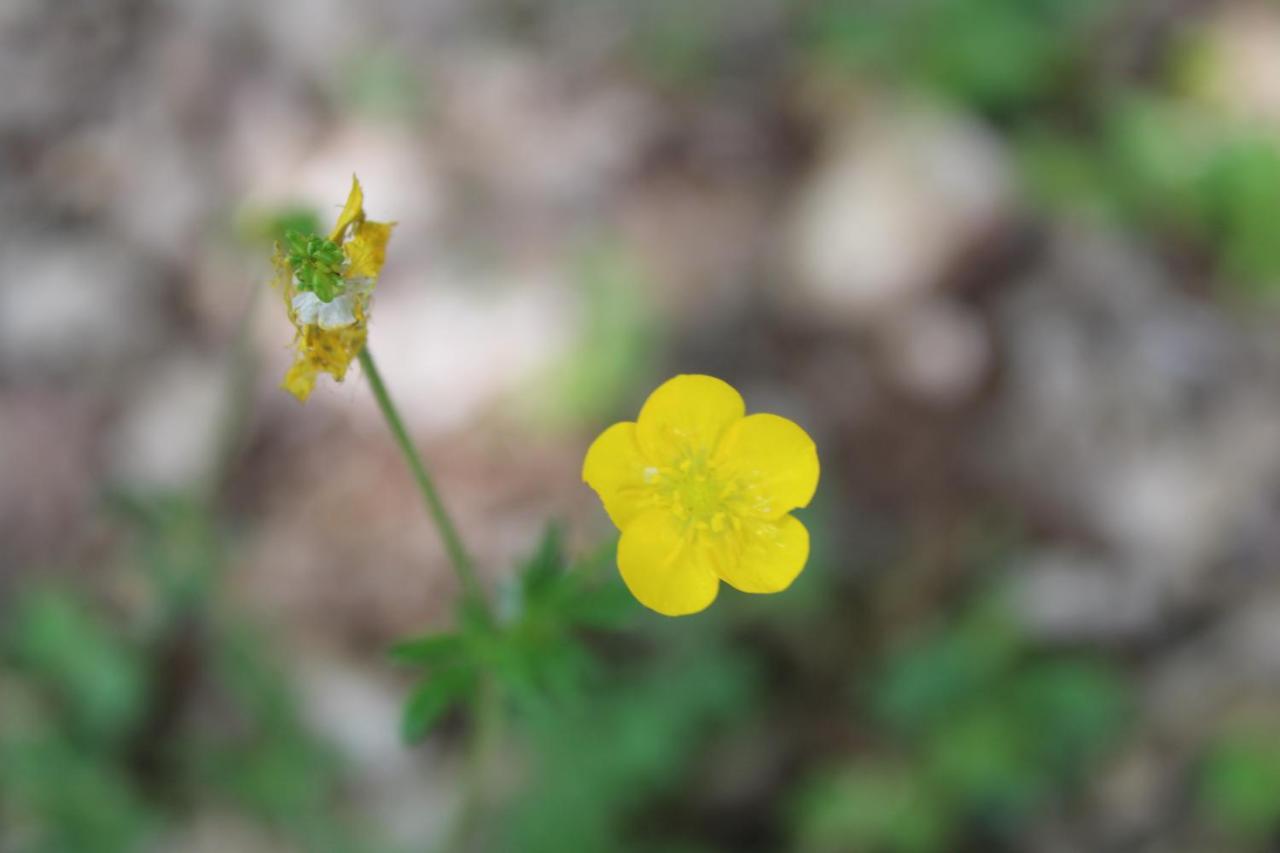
(1014, 264)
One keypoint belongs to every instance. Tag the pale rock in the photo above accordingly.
(534, 138)
(351, 708)
(895, 200)
(449, 349)
(1133, 411)
(169, 431)
(218, 832)
(937, 351)
(1066, 597)
(72, 309)
(1206, 675)
(1242, 73)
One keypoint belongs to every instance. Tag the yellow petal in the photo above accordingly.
(615, 468)
(367, 250)
(764, 556)
(300, 380)
(353, 210)
(660, 569)
(687, 416)
(774, 459)
(283, 278)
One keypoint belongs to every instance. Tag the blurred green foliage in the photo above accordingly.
(603, 738)
(533, 650)
(1239, 786)
(996, 56)
(1147, 154)
(73, 693)
(605, 759)
(977, 730)
(103, 746)
(1180, 171)
(874, 804)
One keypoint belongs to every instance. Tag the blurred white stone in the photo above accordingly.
(535, 138)
(48, 455)
(53, 55)
(1132, 790)
(170, 427)
(162, 200)
(219, 832)
(894, 201)
(448, 349)
(1208, 674)
(1158, 507)
(1242, 68)
(72, 308)
(396, 170)
(1067, 597)
(309, 36)
(1134, 412)
(411, 799)
(163, 173)
(937, 351)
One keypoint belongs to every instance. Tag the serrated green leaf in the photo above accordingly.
(544, 568)
(432, 699)
(96, 674)
(604, 606)
(431, 650)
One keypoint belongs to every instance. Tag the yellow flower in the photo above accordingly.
(703, 493)
(327, 286)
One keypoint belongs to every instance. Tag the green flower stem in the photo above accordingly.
(452, 541)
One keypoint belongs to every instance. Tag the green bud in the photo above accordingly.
(317, 264)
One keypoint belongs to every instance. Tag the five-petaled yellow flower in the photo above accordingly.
(702, 493)
(327, 285)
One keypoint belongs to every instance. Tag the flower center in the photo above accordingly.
(698, 496)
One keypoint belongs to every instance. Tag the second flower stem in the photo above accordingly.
(462, 565)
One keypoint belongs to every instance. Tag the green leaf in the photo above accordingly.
(873, 805)
(432, 699)
(96, 675)
(638, 736)
(431, 650)
(981, 760)
(545, 567)
(1240, 783)
(605, 606)
(1072, 709)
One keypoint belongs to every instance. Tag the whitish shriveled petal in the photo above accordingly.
(774, 459)
(340, 312)
(764, 556)
(620, 475)
(660, 569)
(687, 416)
(306, 308)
